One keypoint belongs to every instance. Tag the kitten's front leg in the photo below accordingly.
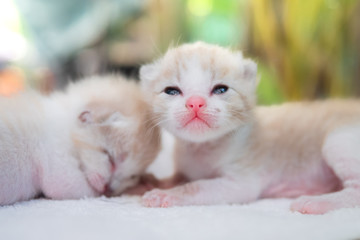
(205, 192)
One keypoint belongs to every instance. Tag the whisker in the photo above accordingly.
(156, 124)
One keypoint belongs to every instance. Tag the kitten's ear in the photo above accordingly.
(250, 70)
(86, 117)
(116, 118)
(148, 73)
(249, 67)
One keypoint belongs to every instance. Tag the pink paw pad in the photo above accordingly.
(158, 198)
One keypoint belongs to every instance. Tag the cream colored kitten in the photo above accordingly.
(232, 152)
(93, 139)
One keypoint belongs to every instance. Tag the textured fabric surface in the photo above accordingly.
(125, 218)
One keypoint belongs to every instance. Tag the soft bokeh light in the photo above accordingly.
(13, 48)
(304, 49)
(11, 82)
(12, 43)
(9, 16)
(200, 7)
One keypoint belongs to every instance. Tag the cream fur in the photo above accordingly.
(249, 152)
(94, 138)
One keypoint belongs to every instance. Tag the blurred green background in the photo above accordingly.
(304, 49)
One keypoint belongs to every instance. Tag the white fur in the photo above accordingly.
(73, 144)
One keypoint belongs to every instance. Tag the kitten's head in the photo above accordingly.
(201, 91)
(115, 138)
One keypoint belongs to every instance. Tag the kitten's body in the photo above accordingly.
(292, 136)
(60, 145)
(284, 145)
(235, 153)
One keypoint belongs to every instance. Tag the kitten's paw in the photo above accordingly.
(313, 205)
(97, 181)
(158, 198)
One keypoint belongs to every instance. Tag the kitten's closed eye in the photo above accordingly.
(219, 89)
(111, 160)
(172, 91)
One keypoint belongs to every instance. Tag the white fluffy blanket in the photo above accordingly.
(125, 218)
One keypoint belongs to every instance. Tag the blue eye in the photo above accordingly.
(172, 91)
(220, 89)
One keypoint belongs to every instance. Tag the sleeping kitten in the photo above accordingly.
(96, 138)
(234, 152)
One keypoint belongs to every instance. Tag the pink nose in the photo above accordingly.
(195, 103)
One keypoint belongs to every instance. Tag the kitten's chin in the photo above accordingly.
(198, 132)
(197, 138)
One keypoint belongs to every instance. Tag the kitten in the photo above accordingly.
(234, 152)
(95, 138)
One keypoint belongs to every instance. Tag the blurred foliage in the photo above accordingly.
(215, 21)
(304, 49)
(312, 47)
(268, 89)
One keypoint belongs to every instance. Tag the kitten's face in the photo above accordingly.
(115, 150)
(200, 92)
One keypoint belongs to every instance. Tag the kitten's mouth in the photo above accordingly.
(197, 120)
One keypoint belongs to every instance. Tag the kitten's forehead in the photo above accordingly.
(199, 67)
(200, 62)
(208, 56)
(195, 74)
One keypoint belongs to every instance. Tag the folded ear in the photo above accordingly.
(148, 73)
(115, 118)
(250, 70)
(249, 67)
(86, 117)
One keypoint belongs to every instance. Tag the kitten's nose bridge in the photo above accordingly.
(195, 103)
